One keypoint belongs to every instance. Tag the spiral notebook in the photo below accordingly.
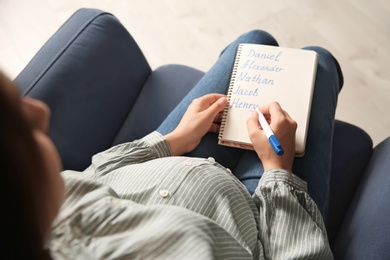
(261, 74)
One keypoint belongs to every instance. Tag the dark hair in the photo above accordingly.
(22, 181)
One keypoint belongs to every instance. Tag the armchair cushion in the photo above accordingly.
(163, 90)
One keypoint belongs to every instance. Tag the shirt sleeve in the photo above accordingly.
(290, 224)
(150, 147)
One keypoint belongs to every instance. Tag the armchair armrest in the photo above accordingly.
(90, 73)
(365, 233)
(351, 152)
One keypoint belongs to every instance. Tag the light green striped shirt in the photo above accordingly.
(136, 201)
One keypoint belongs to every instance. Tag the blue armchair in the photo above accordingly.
(102, 92)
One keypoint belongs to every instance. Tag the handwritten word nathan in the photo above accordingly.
(255, 79)
(275, 57)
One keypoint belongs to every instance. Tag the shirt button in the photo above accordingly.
(211, 159)
(228, 170)
(188, 164)
(115, 202)
(76, 232)
(164, 193)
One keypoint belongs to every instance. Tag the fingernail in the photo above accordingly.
(222, 99)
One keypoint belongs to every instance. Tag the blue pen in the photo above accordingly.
(270, 135)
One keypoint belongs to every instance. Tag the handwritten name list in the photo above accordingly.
(254, 70)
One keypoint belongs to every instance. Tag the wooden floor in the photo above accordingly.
(192, 32)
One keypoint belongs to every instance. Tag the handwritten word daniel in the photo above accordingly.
(275, 57)
(252, 65)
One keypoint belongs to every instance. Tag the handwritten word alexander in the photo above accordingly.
(252, 65)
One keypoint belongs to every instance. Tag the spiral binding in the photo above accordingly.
(230, 90)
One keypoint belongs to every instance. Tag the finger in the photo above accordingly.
(273, 112)
(275, 108)
(287, 115)
(214, 128)
(270, 108)
(216, 107)
(218, 117)
(208, 100)
(264, 109)
(253, 122)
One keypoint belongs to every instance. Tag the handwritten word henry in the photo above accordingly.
(237, 103)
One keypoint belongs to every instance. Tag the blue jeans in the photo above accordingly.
(314, 167)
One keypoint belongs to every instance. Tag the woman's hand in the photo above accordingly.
(284, 128)
(201, 117)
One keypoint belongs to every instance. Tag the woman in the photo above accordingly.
(30, 167)
(143, 200)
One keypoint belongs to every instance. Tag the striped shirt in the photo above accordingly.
(135, 201)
